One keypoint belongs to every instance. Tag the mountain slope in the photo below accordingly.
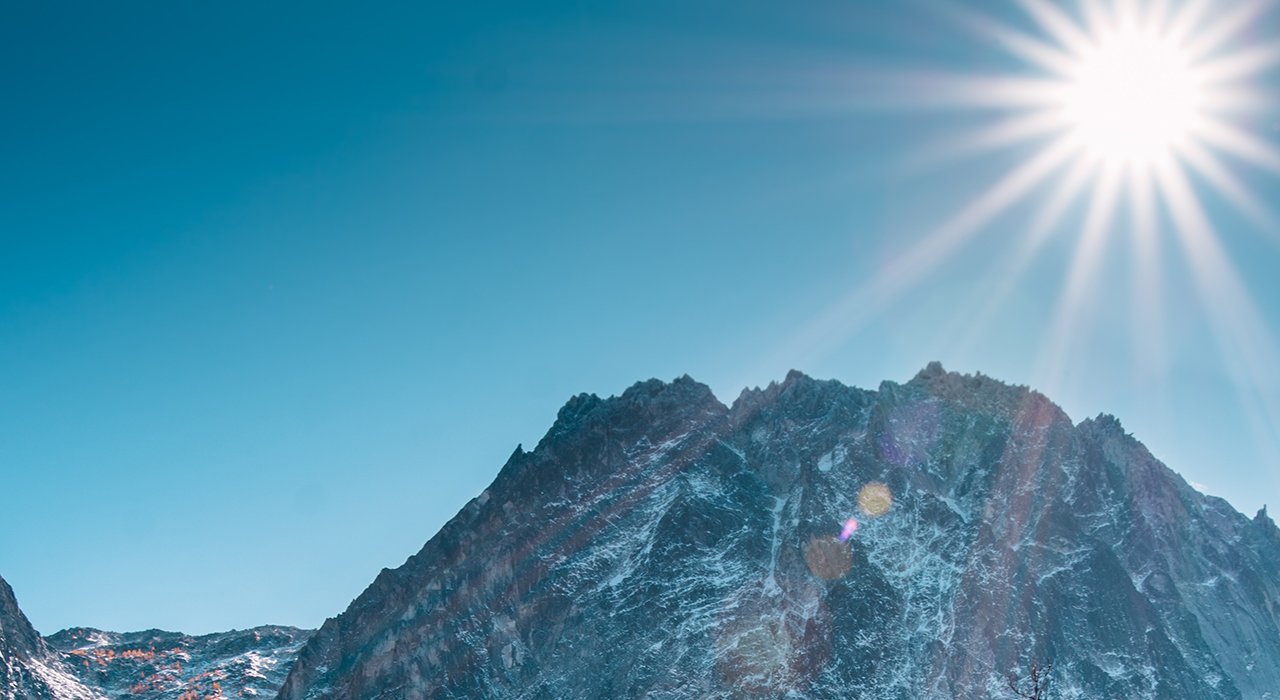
(170, 665)
(661, 545)
(29, 669)
(88, 664)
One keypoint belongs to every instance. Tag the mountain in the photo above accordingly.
(174, 666)
(29, 669)
(659, 544)
(88, 664)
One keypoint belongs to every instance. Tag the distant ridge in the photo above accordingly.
(85, 664)
(170, 665)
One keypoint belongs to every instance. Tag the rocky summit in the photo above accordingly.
(29, 668)
(934, 539)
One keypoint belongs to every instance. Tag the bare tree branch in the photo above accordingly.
(1039, 682)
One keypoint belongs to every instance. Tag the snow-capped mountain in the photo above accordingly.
(173, 666)
(814, 540)
(88, 664)
(29, 668)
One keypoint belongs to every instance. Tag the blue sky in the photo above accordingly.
(283, 285)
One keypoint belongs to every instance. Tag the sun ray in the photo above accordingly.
(1023, 46)
(1239, 101)
(1157, 14)
(1229, 186)
(1054, 21)
(1248, 349)
(1097, 19)
(1209, 40)
(1127, 11)
(1005, 133)
(927, 90)
(997, 92)
(1147, 13)
(1238, 65)
(903, 272)
(1240, 144)
(1147, 312)
(1058, 346)
(1185, 20)
(1048, 218)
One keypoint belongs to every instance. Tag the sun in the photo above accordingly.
(1132, 97)
(1128, 110)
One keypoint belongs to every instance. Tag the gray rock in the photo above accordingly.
(29, 669)
(161, 665)
(654, 545)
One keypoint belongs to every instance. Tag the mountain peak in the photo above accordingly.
(17, 635)
(1263, 520)
(658, 544)
(933, 370)
(28, 667)
(1107, 424)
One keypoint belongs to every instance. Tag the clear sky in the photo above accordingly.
(283, 284)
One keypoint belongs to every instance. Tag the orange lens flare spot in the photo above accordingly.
(875, 499)
(772, 639)
(828, 558)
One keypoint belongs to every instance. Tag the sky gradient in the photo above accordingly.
(283, 285)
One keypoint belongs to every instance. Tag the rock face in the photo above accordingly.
(29, 669)
(661, 545)
(170, 665)
(88, 664)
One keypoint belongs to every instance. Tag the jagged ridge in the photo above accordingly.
(161, 665)
(653, 545)
(89, 664)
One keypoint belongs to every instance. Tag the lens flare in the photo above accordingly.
(850, 527)
(828, 558)
(875, 499)
(911, 433)
(773, 638)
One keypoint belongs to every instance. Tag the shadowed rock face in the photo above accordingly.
(661, 545)
(29, 669)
